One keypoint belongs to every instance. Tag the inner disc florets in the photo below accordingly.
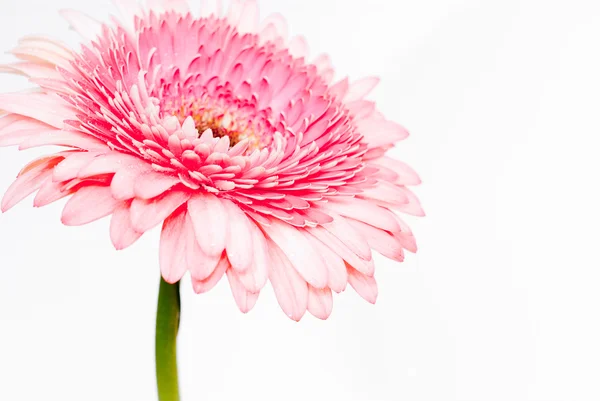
(236, 118)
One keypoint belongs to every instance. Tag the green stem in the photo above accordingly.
(167, 325)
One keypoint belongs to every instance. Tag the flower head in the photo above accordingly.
(219, 128)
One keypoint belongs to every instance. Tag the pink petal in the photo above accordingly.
(147, 213)
(63, 138)
(248, 22)
(380, 240)
(127, 8)
(320, 302)
(337, 276)
(31, 70)
(29, 180)
(239, 237)
(49, 192)
(46, 43)
(340, 88)
(405, 236)
(210, 222)
(151, 184)
(14, 135)
(7, 121)
(406, 175)
(48, 109)
(386, 192)
(172, 247)
(88, 204)
(279, 24)
(244, 299)
(200, 264)
(340, 229)
(298, 47)
(381, 132)
(86, 26)
(364, 285)
(407, 241)
(255, 278)
(123, 182)
(300, 252)
(340, 249)
(113, 162)
(290, 289)
(122, 233)
(69, 168)
(202, 286)
(413, 207)
(365, 211)
(360, 88)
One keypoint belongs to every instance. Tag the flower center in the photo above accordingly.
(236, 118)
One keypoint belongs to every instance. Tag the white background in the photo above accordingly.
(501, 303)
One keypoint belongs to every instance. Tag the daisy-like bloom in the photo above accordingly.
(218, 127)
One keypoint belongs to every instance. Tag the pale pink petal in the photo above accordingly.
(42, 53)
(127, 9)
(244, 299)
(407, 241)
(63, 138)
(290, 289)
(86, 26)
(31, 70)
(366, 212)
(200, 264)
(364, 285)
(248, 22)
(320, 302)
(202, 286)
(381, 132)
(172, 247)
(277, 21)
(122, 233)
(151, 184)
(386, 192)
(147, 213)
(42, 42)
(113, 162)
(361, 88)
(298, 47)
(20, 129)
(123, 182)
(340, 249)
(300, 252)
(29, 180)
(413, 207)
(406, 175)
(88, 204)
(239, 237)
(382, 241)
(337, 276)
(255, 278)
(349, 237)
(49, 192)
(69, 168)
(7, 120)
(48, 109)
(340, 88)
(210, 222)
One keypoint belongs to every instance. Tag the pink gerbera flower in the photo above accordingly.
(222, 130)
